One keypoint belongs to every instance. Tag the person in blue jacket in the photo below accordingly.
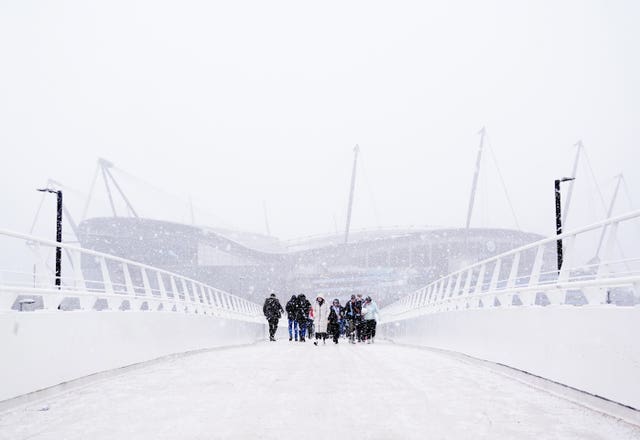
(353, 316)
(291, 308)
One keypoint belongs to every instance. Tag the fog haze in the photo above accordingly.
(248, 102)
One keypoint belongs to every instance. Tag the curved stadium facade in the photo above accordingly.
(384, 263)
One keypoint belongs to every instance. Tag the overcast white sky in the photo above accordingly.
(234, 103)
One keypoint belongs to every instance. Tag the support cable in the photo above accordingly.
(599, 192)
(593, 176)
(179, 199)
(504, 186)
(124, 197)
(93, 184)
(106, 184)
(35, 219)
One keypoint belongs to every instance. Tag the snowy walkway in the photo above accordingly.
(288, 390)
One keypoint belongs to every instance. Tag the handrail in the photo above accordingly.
(548, 240)
(52, 243)
(481, 284)
(152, 285)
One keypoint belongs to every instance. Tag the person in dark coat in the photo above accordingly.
(272, 311)
(291, 307)
(302, 314)
(353, 315)
(360, 321)
(336, 314)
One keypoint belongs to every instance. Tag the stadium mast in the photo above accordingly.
(620, 178)
(356, 150)
(474, 184)
(266, 217)
(104, 167)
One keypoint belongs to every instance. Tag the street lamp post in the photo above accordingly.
(58, 233)
(559, 217)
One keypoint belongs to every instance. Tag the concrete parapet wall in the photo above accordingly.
(45, 348)
(595, 349)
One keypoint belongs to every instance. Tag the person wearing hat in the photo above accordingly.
(272, 311)
(320, 318)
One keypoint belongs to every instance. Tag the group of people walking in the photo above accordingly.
(356, 320)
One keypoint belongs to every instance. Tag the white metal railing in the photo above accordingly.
(527, 276)
(100, 281)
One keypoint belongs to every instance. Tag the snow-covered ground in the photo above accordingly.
(288, 390)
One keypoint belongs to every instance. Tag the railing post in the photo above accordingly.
(430, 292)
(189, 305)
(77, 271)
(106, 277)
(87, 299)
(513, 273)
(145, 283)
(528, 296)
(148, 292)
(179, 305)
(449, 287)
(163, 292)
(197, 301)
(467, 282)
(225, 303)
(217, 301)
(505, 296)
(495, 275)
(534, 279)
(106, 282)
(207, 298)
(480, 280)
(456, 289)
(135, 303)
(206, 293)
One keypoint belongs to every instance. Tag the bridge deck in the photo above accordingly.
(293, 390)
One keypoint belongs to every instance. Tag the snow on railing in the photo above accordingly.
(519, 277)
(100, 281)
